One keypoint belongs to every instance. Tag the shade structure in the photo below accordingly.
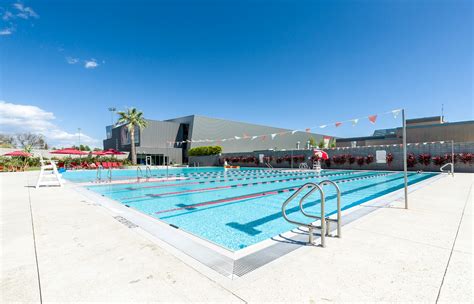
(112, 152)
(70, 151)
(18, 153)
(99, 153)
(320, 153)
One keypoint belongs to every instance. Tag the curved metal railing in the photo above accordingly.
(109, 174)
(147, 172)
(338, 220)
(450, 171)
(310, 226)
(303, 166)
(139, 173)
(98, 175)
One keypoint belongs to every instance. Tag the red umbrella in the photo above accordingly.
(321, 154)
(70, 151)
(18, 153)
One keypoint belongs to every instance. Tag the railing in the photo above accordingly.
(109, 174)
(303, 166)
(139, 173)
(148, 172)
(310, 225)
(268, 165)
(451, 171)
(338, 219)
(98, 175)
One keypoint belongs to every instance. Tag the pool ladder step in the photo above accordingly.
(324, 226)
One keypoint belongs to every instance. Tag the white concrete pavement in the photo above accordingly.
(423, 254)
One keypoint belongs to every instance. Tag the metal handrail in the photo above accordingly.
(109, 174)
(449, 172)
(139, 173)
(148, 172)
(303, 166)
(310, 226)
(339, 217)
(98, 175)
(268, 165)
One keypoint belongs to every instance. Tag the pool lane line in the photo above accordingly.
(255, 195)
(126, 189)
(244, 177)
(228, 180)
(153, 195)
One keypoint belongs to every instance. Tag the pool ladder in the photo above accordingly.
(324, 226)
(99, 174)
(140, 173)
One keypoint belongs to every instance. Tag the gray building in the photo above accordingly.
(426, 129)
(194, 131)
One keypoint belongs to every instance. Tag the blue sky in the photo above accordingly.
(279, 63)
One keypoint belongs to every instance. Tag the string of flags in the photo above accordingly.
(371, 118)
(390, 145)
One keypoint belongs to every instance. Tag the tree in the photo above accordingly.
(321, 144)
(132, 119)
(312, 142)
(7, 141)
(30, 140)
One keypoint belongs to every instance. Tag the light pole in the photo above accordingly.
(405, 175)
(297, 145)
(112, 112)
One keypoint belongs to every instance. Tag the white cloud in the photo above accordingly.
(24, 12)
(7, 16)
(72, 60)
(90, 64)
(6, 32)
(15, 118)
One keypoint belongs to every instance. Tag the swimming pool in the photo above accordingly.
(239, 208)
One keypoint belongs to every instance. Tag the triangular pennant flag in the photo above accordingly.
(355, 121)
(264, 137)
(236, 137)
(253, 137)
(246, 136)
(338, 124)
(396, 112)
(308, 130)
(273, 135)
(323, 126)
(372, 118)
(224, 139)
(294, 131)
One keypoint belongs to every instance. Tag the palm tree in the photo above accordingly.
(132, 119)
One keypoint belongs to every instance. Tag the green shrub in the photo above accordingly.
(205, 150)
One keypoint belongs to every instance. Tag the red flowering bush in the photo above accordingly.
(351, 159)
(411, 160)
(389, 158)
(360, 160)
(369, 159)
(339, 159)
(424, 158)
(279, 160)
(466, 158)
(439, 160)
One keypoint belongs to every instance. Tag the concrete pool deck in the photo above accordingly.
(58, 246)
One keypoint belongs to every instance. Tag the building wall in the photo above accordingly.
(458, 131)
(396, 165)
(212, 128)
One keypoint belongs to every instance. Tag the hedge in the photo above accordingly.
(205, 150)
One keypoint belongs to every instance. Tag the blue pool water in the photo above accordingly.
(236, 209)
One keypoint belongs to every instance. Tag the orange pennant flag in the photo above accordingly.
(308, 130)
(338, 124)
(373, 118)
